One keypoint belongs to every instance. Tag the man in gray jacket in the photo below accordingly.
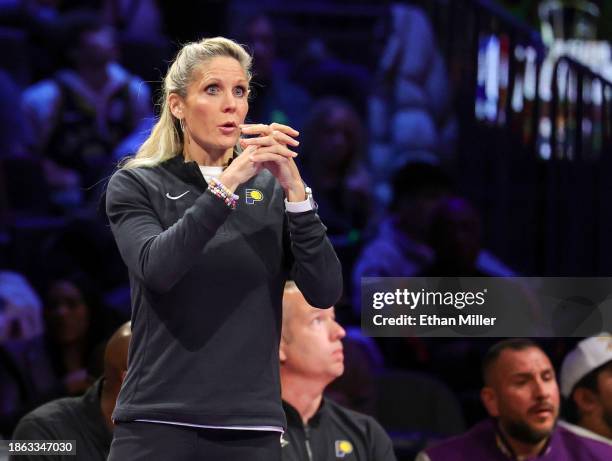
(311, 357)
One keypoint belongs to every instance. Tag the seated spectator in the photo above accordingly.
(76, 323)
(82, 114)
(136, 20)
(521, 396)
(332, 156)
(324, 75)
(455, 237)
(401, 248)
(22, 184)
(311, 357)
(85, 419)
(26, 375)
(411, 117)
(275, 98)
(586, 383)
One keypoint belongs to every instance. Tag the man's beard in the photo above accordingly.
(522, 432)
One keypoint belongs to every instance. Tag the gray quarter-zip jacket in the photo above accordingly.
(334, 432)
(207, 286)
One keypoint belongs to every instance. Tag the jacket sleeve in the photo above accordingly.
(314, 266)
(158, 257)
(381, 445)
(29, 428)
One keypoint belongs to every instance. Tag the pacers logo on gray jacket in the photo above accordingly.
(343, 448)
(253, 195)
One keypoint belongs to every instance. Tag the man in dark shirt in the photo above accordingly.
(311, 357)
(85, 419)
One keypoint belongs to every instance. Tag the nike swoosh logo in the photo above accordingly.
(177, 197)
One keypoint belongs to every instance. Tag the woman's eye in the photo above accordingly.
(212, 89)
(240, 91)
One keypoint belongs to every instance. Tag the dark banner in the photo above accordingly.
(486, 306)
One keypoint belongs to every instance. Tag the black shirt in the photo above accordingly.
(70, 418)
(207, 285)
(334, 433)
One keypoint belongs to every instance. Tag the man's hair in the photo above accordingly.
(415, 178)
(491, 356)
(571, 412)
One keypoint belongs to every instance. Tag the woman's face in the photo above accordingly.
(66, 313)
(336, 140)
(216, 103)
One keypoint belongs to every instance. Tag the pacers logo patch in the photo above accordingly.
(253, 195)
(343, 448)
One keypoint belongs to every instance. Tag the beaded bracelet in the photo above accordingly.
(219, 190)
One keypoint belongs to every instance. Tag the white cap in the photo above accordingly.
(19, 306)
(589, 354)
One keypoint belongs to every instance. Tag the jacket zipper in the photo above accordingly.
(307, 441)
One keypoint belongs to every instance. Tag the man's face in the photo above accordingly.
(522, 394)
(336, 139)
(66, 313)
(98, 47)
(311, 341)
(423, 206)
(261, 41)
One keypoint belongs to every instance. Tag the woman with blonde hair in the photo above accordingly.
(211, 225)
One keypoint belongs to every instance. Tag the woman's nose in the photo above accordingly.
(229, 103)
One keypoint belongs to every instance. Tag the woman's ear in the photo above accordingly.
(175, 103)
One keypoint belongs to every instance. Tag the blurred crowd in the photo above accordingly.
(78, 85)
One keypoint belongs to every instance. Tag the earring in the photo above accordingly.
(185, 135)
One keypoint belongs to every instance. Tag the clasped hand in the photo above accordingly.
(268, 148)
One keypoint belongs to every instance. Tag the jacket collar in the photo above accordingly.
(188, 172)
(294, 418)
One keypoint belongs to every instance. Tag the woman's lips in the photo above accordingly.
(228, 130)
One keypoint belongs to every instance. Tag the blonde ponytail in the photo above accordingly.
(166, 138)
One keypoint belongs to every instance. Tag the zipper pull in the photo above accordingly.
(307, 441)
